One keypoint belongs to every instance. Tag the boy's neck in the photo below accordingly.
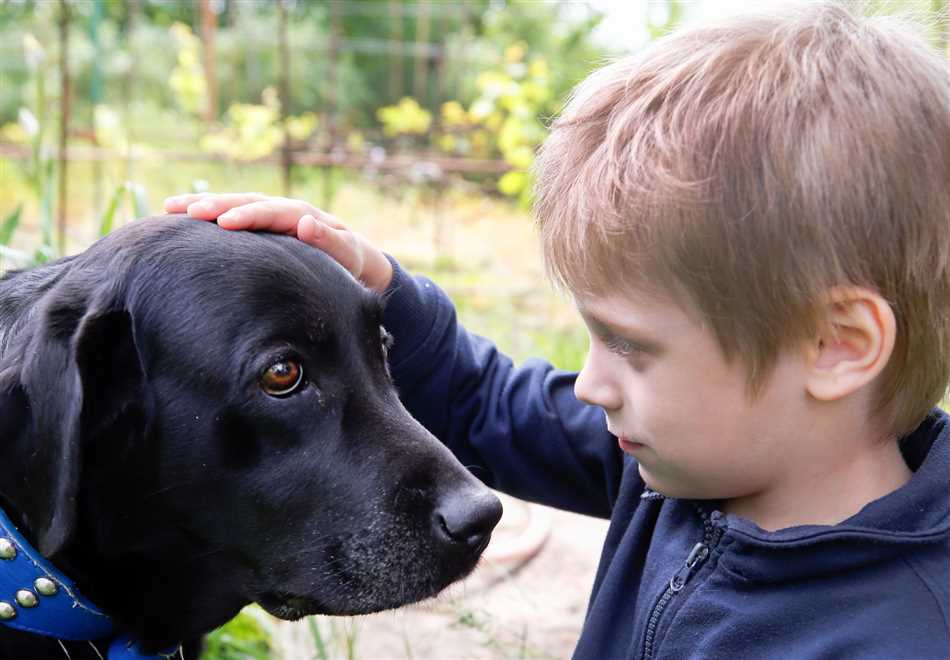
(826, 493)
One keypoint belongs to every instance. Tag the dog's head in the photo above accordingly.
(187, 408)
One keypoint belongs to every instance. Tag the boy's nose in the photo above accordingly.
(594, 387)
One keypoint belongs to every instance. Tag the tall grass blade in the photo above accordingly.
(107, 220)
(139, 199)
(46, 201)
(317, 638)
(44, 254)
(16, 257)
(350, 626)
(9, 225)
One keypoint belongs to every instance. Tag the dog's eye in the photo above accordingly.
(282, 378)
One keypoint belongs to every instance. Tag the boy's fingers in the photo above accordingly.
(272, 214)
(327, 218)
(179, 203)
(210, 207)
(365, 262)
(332, 241)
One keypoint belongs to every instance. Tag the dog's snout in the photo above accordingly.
(467, 518)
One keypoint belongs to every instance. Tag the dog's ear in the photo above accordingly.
(81, 370)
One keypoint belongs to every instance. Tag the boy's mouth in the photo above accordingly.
(628, 445)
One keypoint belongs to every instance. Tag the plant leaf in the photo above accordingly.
(9, 225)
(317, 638)
(22, 259)
(139, 199)
(107, 219)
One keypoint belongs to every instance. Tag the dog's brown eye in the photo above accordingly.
(282, 377)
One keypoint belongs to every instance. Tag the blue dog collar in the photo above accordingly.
(35, 597)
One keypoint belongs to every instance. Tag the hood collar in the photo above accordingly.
(916, 513)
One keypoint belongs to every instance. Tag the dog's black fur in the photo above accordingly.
(141, 455)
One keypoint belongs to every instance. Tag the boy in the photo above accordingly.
(753, 221)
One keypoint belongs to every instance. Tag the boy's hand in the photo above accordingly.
(296, 218)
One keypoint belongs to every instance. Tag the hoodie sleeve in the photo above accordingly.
(521, 430)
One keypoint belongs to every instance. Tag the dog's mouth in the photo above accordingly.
(288, 606)
(368, 590)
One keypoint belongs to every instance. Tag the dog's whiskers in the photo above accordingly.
(96, 650)
(181, 484)
(333, 562)
(206, 553)
(309, 549)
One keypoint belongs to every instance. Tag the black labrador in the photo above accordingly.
(194, 419)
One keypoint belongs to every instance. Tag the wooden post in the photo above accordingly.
(396, 61)
(464, 51)
(421, 74)
(95, 98)
(209, 24)
(336, 30)
(128, 91)
(440, 59)
(63, 156)
(234, 14)
(284, 83)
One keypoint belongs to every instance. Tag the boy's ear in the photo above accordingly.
(853, 345)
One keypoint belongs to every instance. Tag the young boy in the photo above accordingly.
(754, 222)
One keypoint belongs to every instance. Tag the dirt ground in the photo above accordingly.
(513, 606)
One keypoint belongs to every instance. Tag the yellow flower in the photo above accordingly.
(516, 52)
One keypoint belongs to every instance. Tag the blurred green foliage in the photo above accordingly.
(138, 74)
(139, 50)
(243, 638)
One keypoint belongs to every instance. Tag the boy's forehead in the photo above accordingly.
(632, 308)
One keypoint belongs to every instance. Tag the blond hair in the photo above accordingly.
(755, 164)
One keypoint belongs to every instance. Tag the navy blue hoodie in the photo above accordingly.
(677, 578)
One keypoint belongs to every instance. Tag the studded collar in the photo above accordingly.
(35, 597)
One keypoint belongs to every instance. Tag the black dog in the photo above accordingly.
(194, 419)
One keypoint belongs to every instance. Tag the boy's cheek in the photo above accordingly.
(683, 470)
(666, 482)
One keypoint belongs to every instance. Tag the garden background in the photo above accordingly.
(416, 121)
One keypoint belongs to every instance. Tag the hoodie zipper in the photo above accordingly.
(695, 559)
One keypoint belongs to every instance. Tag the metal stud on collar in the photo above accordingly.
(7, 611)
(45, 586)
(7, 549)
(26, 598)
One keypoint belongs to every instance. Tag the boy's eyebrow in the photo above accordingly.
(605, 329)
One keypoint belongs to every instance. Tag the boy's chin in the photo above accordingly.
(660, 486)
(671, 487)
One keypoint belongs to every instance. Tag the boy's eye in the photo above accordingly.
(620, 346)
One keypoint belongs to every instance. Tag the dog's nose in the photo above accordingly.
(467, 518)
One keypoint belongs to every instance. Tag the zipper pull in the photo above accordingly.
(696, 557)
